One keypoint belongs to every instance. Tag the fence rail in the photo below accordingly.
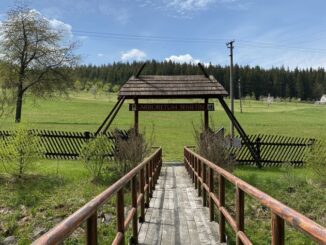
(147, 172)
(65, 145)
(274, 150)
(202, 173)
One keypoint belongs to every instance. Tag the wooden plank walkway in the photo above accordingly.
(176, 214)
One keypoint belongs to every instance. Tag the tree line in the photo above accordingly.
(306, 84)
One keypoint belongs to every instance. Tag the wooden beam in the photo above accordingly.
(203, 70)
(140, 69)
(240, 130)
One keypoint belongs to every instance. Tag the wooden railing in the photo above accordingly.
(202, 173)
(147, 172)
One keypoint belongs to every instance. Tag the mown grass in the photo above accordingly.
(44, 196)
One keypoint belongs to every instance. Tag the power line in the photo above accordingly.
(213, 41)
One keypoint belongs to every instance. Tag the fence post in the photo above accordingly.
(258, 148)
(211, 189)
(152, 175)
(120, 214)
(91, 229)
(221, 197)
(239, 212)
(142, 203)
(196, 171)
(277, 230)
(199, 176)
(87, 135)
(147, 183)
(134, 205)
(204, 177)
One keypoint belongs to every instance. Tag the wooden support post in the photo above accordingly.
(136, 124)
(120, 214)
(196, 171)
(148, 186)
(206, 118)
(91, 230)
(153, 175)
(204, 176)
(192, 162)
(221, 197)
(239, 212)
(142, 203)
(199, 165)
(211, 189)
(277, 230)
(134, 205)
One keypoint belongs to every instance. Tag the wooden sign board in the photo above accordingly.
(172, 107)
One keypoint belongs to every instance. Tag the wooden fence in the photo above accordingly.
(203, 173)
(146, 174)
(274, 150)
(66, 145)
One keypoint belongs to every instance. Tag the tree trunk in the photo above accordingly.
(19, 103)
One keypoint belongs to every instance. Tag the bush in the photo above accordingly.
(316, 161)
(19, 151)
(213, 147)
(131, 150)
(95, 156)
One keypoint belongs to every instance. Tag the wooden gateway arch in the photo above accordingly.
(203, 87)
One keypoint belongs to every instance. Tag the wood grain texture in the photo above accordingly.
(167, 86)
(176, 214)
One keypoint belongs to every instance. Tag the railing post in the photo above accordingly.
(204, 177)
(120, 214)
(150, 179)
(153, 174)
(196, 171)
(277, 230)
(211, 189)
(221, 197)
(148, 186)
(193, 169)
(142, 203)
(239, 212)
(134, 205)
(199, 175)
(91, 230)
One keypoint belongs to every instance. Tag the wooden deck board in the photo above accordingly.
(176, 214)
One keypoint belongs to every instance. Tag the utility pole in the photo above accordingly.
(240, 95)
(230, 46)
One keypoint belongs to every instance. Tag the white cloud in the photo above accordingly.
(55, 24)
(186, 8)
(185, 58)
(62, 27)
(83, 37)
(186, 5)
(133, 54)
(100, 55)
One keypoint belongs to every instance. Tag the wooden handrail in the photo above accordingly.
(280, 212)
(88, 213)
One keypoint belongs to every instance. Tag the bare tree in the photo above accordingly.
(36, 56)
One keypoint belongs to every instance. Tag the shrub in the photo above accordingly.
(316, 161)
(131, 150)
(95, 157)
(214, 148)
(19, 151)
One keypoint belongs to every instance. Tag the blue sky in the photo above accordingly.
(266, 33)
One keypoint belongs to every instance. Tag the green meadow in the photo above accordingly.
(56, 188)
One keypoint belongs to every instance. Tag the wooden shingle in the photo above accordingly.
(194, 86)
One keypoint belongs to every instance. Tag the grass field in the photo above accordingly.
(44, 196)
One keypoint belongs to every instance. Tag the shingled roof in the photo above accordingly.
(194, 86)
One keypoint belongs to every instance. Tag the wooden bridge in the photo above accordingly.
(177, 203)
